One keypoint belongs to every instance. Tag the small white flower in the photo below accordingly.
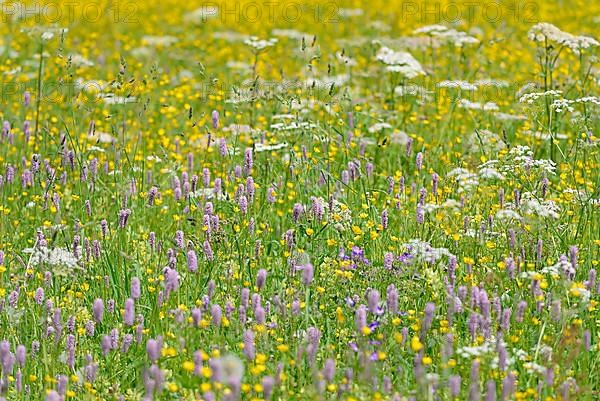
(260, 44)
(400, 62)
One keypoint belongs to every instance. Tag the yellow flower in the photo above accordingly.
(577, 289)
(188, 366)
(415, 344)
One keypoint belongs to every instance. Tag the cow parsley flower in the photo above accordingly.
(61, 260)
(541, 208)
(532, 97)
(430, 30)
(400, 62)
(260, 44)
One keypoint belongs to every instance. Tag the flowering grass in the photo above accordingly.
(358, 204)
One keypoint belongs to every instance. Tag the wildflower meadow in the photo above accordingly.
(299, 200)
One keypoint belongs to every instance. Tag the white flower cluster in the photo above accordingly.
(471, 86)
(56, 257)
(377, 127)
(510, 117)
(206, 193)
(468, 180)
(507, 215)
(542, 208)
(465, 179)
(431, 30)
(261, 147)
(467, 104)
(462, 85)
(292, 126)
(260, 44)
(458, 38)
(422, 251)
(476, 351)
(544, 32)
(532, 97)
(560, 105)
(451, 204)
(522, 157)
(400, 62)
(489, 172)
(535, 275)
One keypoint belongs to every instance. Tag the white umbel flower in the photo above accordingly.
(401, 62)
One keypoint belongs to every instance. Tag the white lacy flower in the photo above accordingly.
(533, 206)
(400, 62)
(422, 251)
(532, 97)
(463, 85)
(507, 214)
(560, 105)
(56, 257)
(377, 127)
(588, 99)
(111, 98)
(465, 179)
(260, 147)
(510, 117)
(545, 31)
(467, 104)
(206, 193)
(522, 157)
(458, 38)
(490, 173)
(260, 44)
(292, 126)
(430, 29)
(476, 350)
(578, 43)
